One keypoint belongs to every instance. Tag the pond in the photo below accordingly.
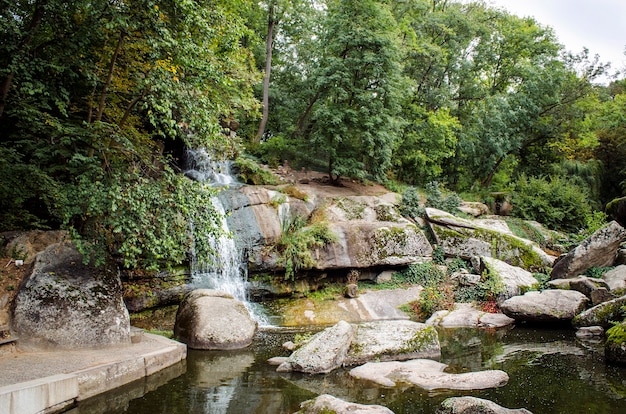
(550, 372)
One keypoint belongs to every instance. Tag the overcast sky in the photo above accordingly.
(599, 25)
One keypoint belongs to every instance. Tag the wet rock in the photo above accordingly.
(64, 303)
(209, 319)
(546, 306)
(599, 250)
(515, 279)
(329, 404)
(322, 353)
(466, 315)
(427, 374)
(587, 332)
(473, 405)
(615, 346)
(616, 278)
(602, 314)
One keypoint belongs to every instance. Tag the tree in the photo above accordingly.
(351, 116)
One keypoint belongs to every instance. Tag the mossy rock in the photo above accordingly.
(615, 346)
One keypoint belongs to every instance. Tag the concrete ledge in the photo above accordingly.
(53, 393)
(39, 395)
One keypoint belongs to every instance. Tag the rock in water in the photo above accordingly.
(209, 319)
(328, 404)
(603, 314)
(546, 306)
(64, 303)
(324, 352)
(599, 250)
(615, 346)
(473, 405)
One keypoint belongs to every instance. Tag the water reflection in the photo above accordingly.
(550, 372)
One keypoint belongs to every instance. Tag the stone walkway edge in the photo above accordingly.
(53, 393)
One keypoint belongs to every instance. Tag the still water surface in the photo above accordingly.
(550, 372)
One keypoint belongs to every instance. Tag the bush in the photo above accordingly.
(250, 172)
(410, 205)
(425, 274)
(553, 202)
(435, 198)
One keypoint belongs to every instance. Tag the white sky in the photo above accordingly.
(599, 25)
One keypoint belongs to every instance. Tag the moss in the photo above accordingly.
(421, 339)
(353, 209)
(616, 336)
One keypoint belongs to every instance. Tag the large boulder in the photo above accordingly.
(210, 319)
(466, 315)
(328, 404)
(65, 303)
(324, 352)
(393, 341)
(352, 344)
(601, 315)
(473, 405)
(515, 279)
(490, 237)
(596, 290)
(427, 374)
(27, 245)
(545, 306)
(598, 250)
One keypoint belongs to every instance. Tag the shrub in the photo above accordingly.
(435, 298)
(250, 172)
(425, 274)
(410, 205)
(553, 202)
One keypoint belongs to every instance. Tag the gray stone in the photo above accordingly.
(385, 276)
(209, 319)
(475, 209)
(600, 295)
(466, 315)
(427, 374)
(546, 306)
(392, 341)
(27, 245)
(590, 332)
(328, 404)
(616, 278)
(473, 405)
(322, 353)
(599, 250)
(602, 314)
(64, 303)
(515, 279)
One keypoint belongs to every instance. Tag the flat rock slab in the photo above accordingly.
(427, 374)
(329, 404)
(466, 315)
(546, 306)
(514, 278)
(473, 405)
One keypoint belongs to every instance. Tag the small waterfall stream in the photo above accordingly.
(226, 270)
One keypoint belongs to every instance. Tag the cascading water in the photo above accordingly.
(225, 270)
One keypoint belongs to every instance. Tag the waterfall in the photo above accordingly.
(226, 269)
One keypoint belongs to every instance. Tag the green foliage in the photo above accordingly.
(426, 274)
(436, 198)
(434, 298)
(251, 172)
(553, 202)
(297, 240)
(524, 230)
(542, 280)
(487, 289)
(597, 272)
(411, 205)
(139, 221)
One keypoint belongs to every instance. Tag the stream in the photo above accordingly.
(550, 372)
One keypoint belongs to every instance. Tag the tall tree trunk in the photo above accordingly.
(107, 83)
(269, 46)
(24, 43)
(300, 125)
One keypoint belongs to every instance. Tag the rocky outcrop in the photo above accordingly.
(515, 279)
(64, 303)
(491, 238)
(546, 306)
(323, 353)
(346, 344)
(595, 289)
(473, 405)
(599, 250)
(27, 245)
(427, 374)
(602, 314)
(209, 319)
(616, 278)
(328, 404)
(466, 315)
